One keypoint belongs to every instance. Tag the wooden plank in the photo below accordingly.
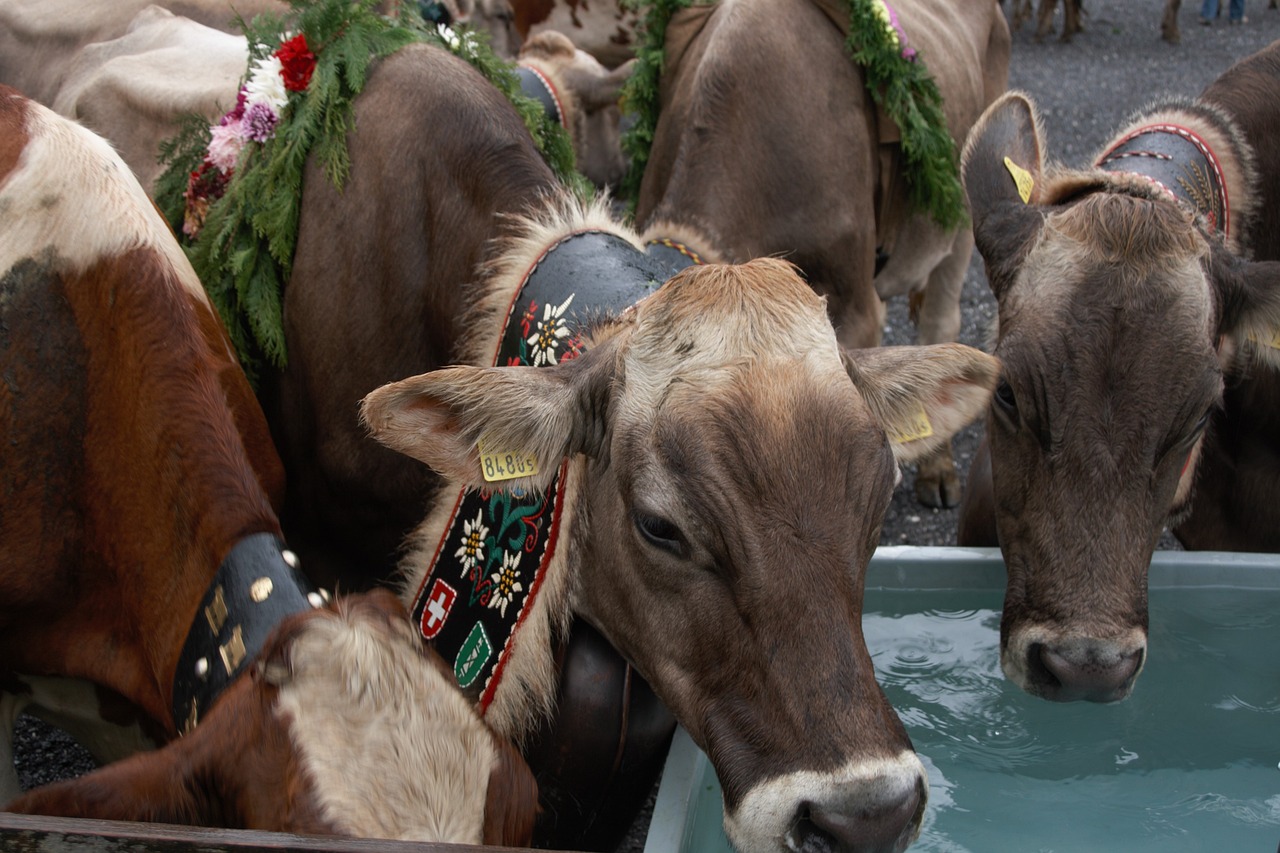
(39, 834)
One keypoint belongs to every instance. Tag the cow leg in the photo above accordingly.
(937, 316)
(1044, 26)
(11, 706)
(1070, 19)
(976, 521)
(1169, 24)
(1021, 13)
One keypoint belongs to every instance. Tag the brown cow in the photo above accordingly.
(1138, 345)
(140, 554)
(722, 489)
(763, 165)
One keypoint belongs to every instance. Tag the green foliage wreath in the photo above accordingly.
(897, 79)
(242, 238)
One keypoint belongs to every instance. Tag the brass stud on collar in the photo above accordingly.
(315, 600)
(261, 589)
(202, 668)
(290, 558)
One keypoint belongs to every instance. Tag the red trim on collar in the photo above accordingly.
(555, 96)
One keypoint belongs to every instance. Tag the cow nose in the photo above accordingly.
(1088, 670)
(887, 825)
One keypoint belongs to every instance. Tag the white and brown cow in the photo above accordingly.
(1139, 302)
(140, 558)
(723, 467)
(752, 152)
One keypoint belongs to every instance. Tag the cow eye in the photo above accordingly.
(661, 533)
(1004, 398)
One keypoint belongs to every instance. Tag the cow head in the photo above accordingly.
(733, 485)
(346, 725)
(588, 95)
(1118, 314)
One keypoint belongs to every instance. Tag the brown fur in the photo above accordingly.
(762, 164)
(1134, 397)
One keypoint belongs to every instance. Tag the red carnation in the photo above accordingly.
(297, 63)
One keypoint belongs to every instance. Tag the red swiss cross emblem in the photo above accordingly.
(439, 603)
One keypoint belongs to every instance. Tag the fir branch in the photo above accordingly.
(244, 251)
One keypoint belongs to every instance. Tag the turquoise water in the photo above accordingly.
(1191, 762)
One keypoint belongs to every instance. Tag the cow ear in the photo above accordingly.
(1250, 294)
(537, 415)
(922, 395)
(1002, 168)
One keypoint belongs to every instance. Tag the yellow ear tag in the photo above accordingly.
(500, 465)
(1274, 343)
(1022, 178)
(916, 427)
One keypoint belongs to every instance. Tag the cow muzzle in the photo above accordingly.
(866, 807)
(1077, 668)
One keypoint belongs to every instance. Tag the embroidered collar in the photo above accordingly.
(256, 586)
(497, 546)
(1179, 162)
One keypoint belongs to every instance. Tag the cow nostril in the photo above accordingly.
(884, 827)
(1087, 671)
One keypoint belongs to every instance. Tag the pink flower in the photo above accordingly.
(225, 143)
(260, 122)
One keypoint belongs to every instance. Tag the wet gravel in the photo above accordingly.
(1085, 89)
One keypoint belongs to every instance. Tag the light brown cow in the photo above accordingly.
(140, 555)
(726, 481)
(746, 152)
(606, 29)
(39, 39)
(1138, 347)
(585, 95)
(137, 89)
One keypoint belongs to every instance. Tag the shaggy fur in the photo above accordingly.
(365, 703)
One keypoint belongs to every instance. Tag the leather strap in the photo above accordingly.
(255, 587)
(534, 84)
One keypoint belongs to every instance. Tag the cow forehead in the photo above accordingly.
(1119, 260)
(707, 320)
(70, 195)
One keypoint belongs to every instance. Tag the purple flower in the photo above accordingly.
(237, 113)
(260, 122)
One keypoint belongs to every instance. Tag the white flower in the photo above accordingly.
(266, 84)
(551, 330)
(473, 536)
(450, 37)
(506, 582)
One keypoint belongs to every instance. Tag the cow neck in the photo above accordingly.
(536, 85)
(256, 586)
(499, 548)
(1179, 162)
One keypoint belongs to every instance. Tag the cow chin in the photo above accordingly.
(1061, 666)
(862, 807)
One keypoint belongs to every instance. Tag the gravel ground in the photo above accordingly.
(1085, 90)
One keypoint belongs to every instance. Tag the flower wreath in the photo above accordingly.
(233, 190)
(896, 77)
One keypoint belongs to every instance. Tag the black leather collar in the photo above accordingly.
(1180, 162)
(534, 84)
(256, 586)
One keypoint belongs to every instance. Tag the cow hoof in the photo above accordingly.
(938, 490)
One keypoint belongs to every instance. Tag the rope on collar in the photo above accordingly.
(672, 255)
(256, 586)
(534, 84)
(1178, 161)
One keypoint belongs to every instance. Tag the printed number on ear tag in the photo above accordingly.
(500, 465)
(916, 427)
(1022, 178)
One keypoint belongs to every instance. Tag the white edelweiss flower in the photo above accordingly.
(551, 330)
(266, 85)
(506, 582)
(473, 536)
